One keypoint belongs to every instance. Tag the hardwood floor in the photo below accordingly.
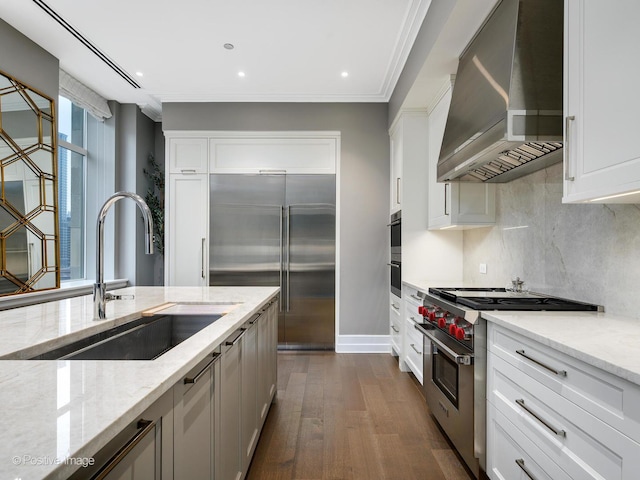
(350, 417)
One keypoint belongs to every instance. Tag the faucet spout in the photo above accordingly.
(99, 288)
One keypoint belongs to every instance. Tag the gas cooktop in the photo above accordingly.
(488, 298)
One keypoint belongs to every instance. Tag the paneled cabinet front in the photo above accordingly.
(188, 245)
(395, 324)
(454, 204)
(601, 102)
(582, 420)
(188, 155)
(413, 339)
(195, 420)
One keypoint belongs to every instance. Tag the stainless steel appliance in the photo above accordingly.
(455, 356)
(277, 229)
(395, 262)
(505, 118)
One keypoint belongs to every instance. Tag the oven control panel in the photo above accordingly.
(452, 325)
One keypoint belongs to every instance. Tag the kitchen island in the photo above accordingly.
(59, 413)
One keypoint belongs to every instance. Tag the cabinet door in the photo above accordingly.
(187, 155)
(463, 205)
(194, 422)
(267, 345)
(249, 392)
(395, 322)
(602, 156)
(186, 224)
(149, 445)
(229, 466)
(396, 167)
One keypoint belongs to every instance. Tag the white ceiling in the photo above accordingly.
(290, 50)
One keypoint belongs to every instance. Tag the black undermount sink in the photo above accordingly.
(144, 339)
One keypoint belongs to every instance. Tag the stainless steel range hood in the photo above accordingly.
(505, 119)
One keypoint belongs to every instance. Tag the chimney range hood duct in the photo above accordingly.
(505, 119)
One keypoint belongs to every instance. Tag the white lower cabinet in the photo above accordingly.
(395, 324)
(534, 405)
(413, 339)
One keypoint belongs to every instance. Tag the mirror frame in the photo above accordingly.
(49, 264)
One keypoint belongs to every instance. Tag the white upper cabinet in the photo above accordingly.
(601, 101)
(396, 167)
(454, 205)
(187, 155)
(247, 152)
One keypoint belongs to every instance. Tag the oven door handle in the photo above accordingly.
(457, 358)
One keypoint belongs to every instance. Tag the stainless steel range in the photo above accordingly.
(455, 356)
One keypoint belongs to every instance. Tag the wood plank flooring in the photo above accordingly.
(350, 417)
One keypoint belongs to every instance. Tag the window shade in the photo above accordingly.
(83, 96)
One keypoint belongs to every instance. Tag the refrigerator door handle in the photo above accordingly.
(281, 306)
(202, 262)
(288, 255)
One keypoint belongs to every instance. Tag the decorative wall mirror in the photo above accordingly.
(29, 250)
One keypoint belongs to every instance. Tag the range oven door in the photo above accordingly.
(449, 390)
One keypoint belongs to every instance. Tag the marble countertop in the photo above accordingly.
(606, 341)
(609, 342)
(54, 410)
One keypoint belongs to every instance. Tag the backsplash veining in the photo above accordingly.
(583, 252)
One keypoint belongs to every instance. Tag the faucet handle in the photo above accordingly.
(111, 296)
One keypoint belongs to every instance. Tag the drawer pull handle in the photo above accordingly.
(562, 373)
(144, 427)
(195, 379)
(520, 462)
(393, 327)
(556, 431)
(416, 298)
(413, 345)
(394, 306)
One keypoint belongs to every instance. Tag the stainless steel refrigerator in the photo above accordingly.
(277, 229)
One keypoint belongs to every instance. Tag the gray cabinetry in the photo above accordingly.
(143, 450)
(195, 420)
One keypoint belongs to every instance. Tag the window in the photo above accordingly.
(72, 157)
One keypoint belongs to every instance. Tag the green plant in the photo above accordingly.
(155, 200)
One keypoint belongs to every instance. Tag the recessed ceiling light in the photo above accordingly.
(229, 46)
(140, 74)
(241, 74)
(344, 74)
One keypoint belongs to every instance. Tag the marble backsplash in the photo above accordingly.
(583, 252)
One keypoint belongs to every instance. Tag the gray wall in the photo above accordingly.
(134, 142)
(364, 188)
(28, 62)
(584, 252)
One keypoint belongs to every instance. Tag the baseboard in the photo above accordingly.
(363, 344)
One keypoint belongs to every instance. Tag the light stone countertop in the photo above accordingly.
(606, 341)
(53, 410)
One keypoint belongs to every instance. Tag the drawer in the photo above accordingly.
(513, 456)
(611, 399)
(413, 353)
(584, 446)
(395, 324)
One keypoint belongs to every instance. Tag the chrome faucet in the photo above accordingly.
(100, 295)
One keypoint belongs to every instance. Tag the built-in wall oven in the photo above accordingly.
(455, 356)
(395, 261)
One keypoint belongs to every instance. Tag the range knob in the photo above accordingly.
(421, 310)
(462, 333)
(432, 315)
(443, 321)
(453, 330)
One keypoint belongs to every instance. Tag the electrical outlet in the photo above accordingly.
(483, 268)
